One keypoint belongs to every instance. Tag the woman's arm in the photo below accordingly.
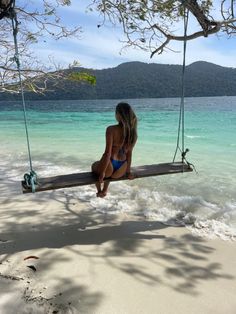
(129, 161)
(107, 154)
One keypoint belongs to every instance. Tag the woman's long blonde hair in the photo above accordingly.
(128, 120)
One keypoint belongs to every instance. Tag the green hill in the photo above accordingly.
(142, 80)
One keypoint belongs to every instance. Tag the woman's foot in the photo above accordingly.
(102, 194)
(105, 188)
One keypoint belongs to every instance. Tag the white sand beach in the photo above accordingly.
(90, 262)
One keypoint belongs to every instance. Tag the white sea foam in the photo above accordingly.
(194, 136)
(213, 229)
(200, 216)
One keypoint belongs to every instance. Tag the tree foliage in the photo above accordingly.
(35, 21)
(152, 24)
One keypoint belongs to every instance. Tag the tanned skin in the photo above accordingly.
(103, 168)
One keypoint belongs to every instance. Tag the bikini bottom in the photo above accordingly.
(117, 163)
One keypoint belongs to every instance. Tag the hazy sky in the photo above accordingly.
(102, 48)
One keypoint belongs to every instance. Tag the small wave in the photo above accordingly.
(194, 136)
(200, 216)
(213, 229)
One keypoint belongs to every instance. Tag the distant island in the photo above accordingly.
(143, 80)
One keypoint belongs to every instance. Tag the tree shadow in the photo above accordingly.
(140, 249)
(184, 260)
(125, 235)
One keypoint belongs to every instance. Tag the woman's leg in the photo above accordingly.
(105, 188)
(117, 174)
(108, 172)
(99, 187)
(95, 168)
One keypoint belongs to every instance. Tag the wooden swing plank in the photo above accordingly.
(87, 178)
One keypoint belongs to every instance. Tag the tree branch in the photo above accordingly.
(148, 24)
(195, 35)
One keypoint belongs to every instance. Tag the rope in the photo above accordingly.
(181, 111)
(29, 179)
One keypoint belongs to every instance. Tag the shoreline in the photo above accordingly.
(91, 262)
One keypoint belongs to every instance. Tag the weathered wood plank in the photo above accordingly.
(87, 178)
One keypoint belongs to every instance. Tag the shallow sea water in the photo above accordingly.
(67, 136)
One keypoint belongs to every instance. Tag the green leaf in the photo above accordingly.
(82, 76)
(31, 37)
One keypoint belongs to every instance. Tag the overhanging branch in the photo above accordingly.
(217, 26)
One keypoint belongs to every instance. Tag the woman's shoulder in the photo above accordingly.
(112, 128)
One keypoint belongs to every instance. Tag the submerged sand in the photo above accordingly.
(83, 261)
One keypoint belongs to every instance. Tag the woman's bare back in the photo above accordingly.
(118, 151)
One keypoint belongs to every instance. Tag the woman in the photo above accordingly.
(120, 141)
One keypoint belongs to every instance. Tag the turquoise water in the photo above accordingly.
(67, 136)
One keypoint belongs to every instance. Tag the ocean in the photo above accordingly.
(68, 136)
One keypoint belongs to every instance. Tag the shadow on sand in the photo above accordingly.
(181, 262)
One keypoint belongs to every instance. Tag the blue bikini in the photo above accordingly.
(117, 163)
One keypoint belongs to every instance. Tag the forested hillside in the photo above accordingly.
(142, 80)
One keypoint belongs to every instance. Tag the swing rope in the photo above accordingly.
(181, 111)
(29, 178)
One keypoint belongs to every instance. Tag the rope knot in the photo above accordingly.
(30, 180)
(184, 154)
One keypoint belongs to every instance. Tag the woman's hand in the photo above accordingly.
(130, 175)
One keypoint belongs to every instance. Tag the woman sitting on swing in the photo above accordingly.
(120, 141)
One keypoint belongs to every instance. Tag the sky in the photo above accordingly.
(100, 48)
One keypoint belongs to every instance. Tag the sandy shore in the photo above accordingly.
(89, 262)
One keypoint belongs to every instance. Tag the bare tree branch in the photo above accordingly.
(152, 24)
(34, 24)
